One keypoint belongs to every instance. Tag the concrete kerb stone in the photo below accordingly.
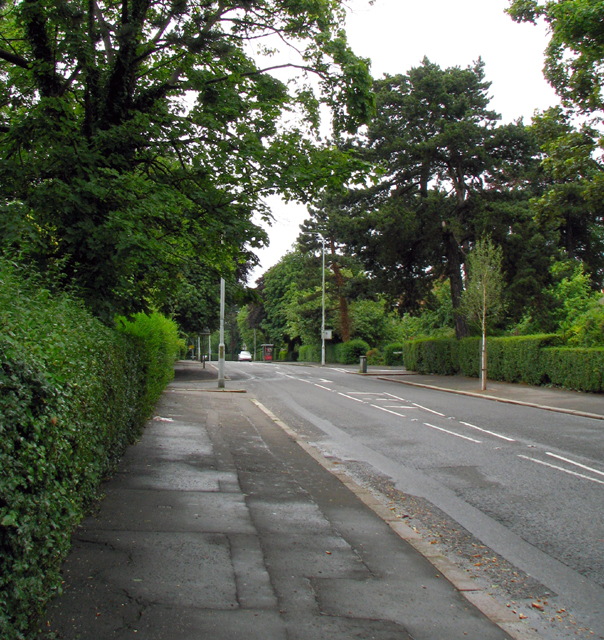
(572, 412)
(488, 606)
(177, 390)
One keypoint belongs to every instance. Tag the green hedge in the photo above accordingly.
(342, 353)
(429, 356)
(580, 369)
(351, 351)
(310, 353)
(73, 394)
(535, 360)
(393, 354)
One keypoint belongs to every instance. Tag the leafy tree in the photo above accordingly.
(137, 137)
(573, 63)
(292, 274)
(573, 173)
(345, 279)
(482, 299)
(572, 203)
(572, 294)
(446, 173)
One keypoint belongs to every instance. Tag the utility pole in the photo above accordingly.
(221, 345)
(323, 309)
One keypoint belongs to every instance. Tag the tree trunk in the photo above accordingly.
(343, 303)
(483, 372)
(453, 270)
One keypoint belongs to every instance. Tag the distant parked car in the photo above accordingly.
(244, 356)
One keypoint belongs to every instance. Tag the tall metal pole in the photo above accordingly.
(221, 345)
(323, 310)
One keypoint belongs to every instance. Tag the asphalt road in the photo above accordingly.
(515, 495)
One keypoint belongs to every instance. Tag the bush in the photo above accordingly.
(158, 342)
(73, 394)
(580, 369)
(310, 353)
(350, 352)
(375, 357)
(516, 359)
(393, 354)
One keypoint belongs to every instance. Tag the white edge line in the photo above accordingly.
(365, 393)
(578, 464)
(486, 603)
(350, 397)
(393, 396)
(452, 433)
(394, 413)
(426, 409)
(553, 466)
(497, 435)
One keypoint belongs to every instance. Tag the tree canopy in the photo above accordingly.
(445, 173)
(137, 137)
(573, 63)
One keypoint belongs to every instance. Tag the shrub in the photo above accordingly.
(158, 342)
(375, 357)
(581, 369)
(73, 394)
(310, 353)
(350, 352)
(516, 359)
(393, 354)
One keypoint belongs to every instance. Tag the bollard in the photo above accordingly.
(363, 368)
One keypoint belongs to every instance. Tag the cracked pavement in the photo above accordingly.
(218, 525)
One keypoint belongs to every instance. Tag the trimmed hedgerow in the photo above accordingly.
(513, 359)
(429, 356)
(73, 394)
(159, 345)
(580, 369)
(310, 353)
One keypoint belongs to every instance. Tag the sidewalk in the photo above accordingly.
(563, 400)
(219, 525)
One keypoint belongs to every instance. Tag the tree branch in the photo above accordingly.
(14, 59)
(261, 71)
(105, 33)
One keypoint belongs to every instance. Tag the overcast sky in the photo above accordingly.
(397, 34)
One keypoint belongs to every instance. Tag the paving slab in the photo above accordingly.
(218, 525)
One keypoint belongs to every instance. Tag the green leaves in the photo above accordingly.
(139, 144)
(73, 395)
(573, 63)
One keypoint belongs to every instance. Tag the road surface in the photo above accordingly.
(515, 495)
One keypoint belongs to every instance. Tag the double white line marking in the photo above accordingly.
(569, 471)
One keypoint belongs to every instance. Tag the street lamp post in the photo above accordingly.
(221, 345)
(323, 308)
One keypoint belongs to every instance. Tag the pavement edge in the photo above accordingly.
(572, 412)
(486, 604)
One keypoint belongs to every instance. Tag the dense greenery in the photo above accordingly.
(137, 138)
(528, 359)
(73, 394)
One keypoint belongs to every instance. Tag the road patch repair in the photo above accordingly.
(219, 525)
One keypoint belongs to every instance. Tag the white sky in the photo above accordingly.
(397, 34)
